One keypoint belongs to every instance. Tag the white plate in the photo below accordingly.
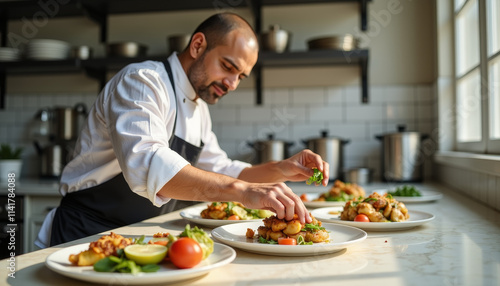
(58, 262)
(192, 214)
(320, 204)
(416, 218)
(427, 196)
(340, 237)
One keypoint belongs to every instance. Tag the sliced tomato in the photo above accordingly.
(233, 217)
(361, 218)
(287, 241)
(161, 242)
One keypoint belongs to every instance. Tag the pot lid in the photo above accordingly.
(324, 135)
(401, 130)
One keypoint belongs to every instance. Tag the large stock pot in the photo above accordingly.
(331, 150)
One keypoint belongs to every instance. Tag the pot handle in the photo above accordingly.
(305, 142)
(250, 144)
(289, 144)
(424, 136)
(379, 137)
(345, 141)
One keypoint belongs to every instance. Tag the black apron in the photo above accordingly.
(113, 204)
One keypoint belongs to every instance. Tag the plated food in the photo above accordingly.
(232, 211)
(339, 192)
(342, 236)
(115, 253)
(331, 214)
(375, 208)
(58, 262)
(292, 232)
(411, 194)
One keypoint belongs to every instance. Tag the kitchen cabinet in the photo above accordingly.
(99, 10)
(34, 199)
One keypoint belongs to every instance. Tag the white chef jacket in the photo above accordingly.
(128, 130)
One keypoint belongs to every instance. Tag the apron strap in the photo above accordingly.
(166, 64)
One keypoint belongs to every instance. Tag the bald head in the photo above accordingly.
(217, 27)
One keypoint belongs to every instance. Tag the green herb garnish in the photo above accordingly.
(123, 265)
(301, 241)
(269, 241)
(312, 227)
(406, 191)
(317, 177)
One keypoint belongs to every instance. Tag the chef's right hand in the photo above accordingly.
(276, 197)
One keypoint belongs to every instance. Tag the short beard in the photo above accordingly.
(197, 76)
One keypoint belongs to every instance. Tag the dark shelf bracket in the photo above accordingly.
(363, 6)
(99, 74)
(363, 64)
(3, 79)
(257, 73)
(3, 27)
(100, 16)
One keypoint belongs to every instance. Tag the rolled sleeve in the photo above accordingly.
(165, 164)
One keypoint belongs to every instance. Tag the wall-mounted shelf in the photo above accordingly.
(99, 10)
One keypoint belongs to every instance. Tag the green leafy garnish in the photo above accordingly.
(406, 191)
(301, 241)
(344, 197)
(206, 243)
(139, 240)
(269, 241)
(317, 177)
(123, 265)
(312, 227)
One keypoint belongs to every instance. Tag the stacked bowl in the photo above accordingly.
(9, 54)
(345, 42)
(47, 49)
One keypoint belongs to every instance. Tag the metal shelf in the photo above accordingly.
(99, 10)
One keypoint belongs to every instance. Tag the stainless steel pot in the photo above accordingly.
(360, 175)
(177, 43)
(53, 158)
(126, 49)
(270, 149)
(402, 160)
(331, 150)
(67, 121)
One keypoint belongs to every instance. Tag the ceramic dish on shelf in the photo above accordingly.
(341, 237)
(332, 214)
(58, 262)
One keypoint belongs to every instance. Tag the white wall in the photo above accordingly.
(401, 74)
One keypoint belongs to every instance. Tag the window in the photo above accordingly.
(477, 75)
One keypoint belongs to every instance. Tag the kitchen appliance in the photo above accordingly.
(359, 175)
(276, 40)
(331, 150)
(402, 159)
(177, 43)
(55, 133)
(271, 149)
(126, 49)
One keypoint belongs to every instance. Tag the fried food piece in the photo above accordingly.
(105, 246)
(275, 228)
(378, 208)
(340, 189)
(250, 233)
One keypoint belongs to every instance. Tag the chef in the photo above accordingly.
(148, 147)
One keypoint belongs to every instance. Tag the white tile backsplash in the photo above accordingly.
(292, 114)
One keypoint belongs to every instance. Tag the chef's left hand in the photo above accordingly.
(300, 166)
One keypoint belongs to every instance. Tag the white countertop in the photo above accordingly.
(461, 246)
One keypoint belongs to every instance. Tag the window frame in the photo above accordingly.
(485, 145)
